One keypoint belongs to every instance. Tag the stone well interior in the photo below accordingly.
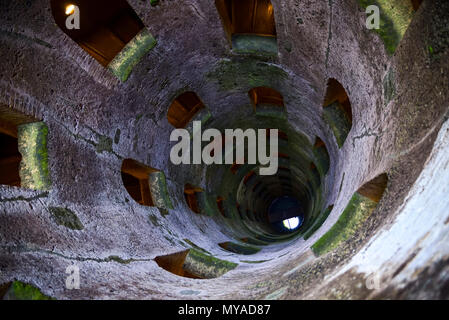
(87, 185)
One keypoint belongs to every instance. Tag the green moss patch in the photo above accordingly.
(389, 87)
(271, 111)
(254, 262)
(322, 159)
(239, 248)
(207, 204)
(159, 191)
(337, 120)
(32, 143)
(154, 221)
(195, 246)
(66, 217)
(244, 72)
(122, 65)
(206, 266)
(104, 144)
(395, 17)
(22, 291)
(356, 212)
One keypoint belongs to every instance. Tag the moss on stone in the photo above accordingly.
(164, 212)
(254, 45)
(395, 17)
(318, 223)
(122, 65)
(322, 160)
(245, 72)
(356, 212)
(207, 204)
(104, 144)
(32, 143)
(239, 248)
(271, 111)
(66, 217)
(190, 243)
(254, 262)
(389, 86)
(276, 295)
(23, 291)
(117, 136)
(159, 191)
(153, 219)
(118, 259)
(206, 266)
(338, 122)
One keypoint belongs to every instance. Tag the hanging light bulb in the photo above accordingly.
(70, 9)
(270, 9)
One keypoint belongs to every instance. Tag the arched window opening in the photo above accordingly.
(283, 156)
(265, 96)
(235, 167)
(375, 188)
(22, 139)
(220, 206)
(284, 170)
(174, 263)
(322, 155)
(9, 159)
(190, 194)
(248, 177)
(337, 93)
(106, 28)
(319, 143)
(249, 24)
(135, 177)
(267, 102)
(194, 263)
(183, 109)
(282, 136)
(239, 211)
(416, 4)
(257, 185)
(315, 174)
(337, 110)
(239, 248)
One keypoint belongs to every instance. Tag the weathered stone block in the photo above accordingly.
(122, 65)
(159, 192)
(32, 143)
(254, 44)
(206, 266)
